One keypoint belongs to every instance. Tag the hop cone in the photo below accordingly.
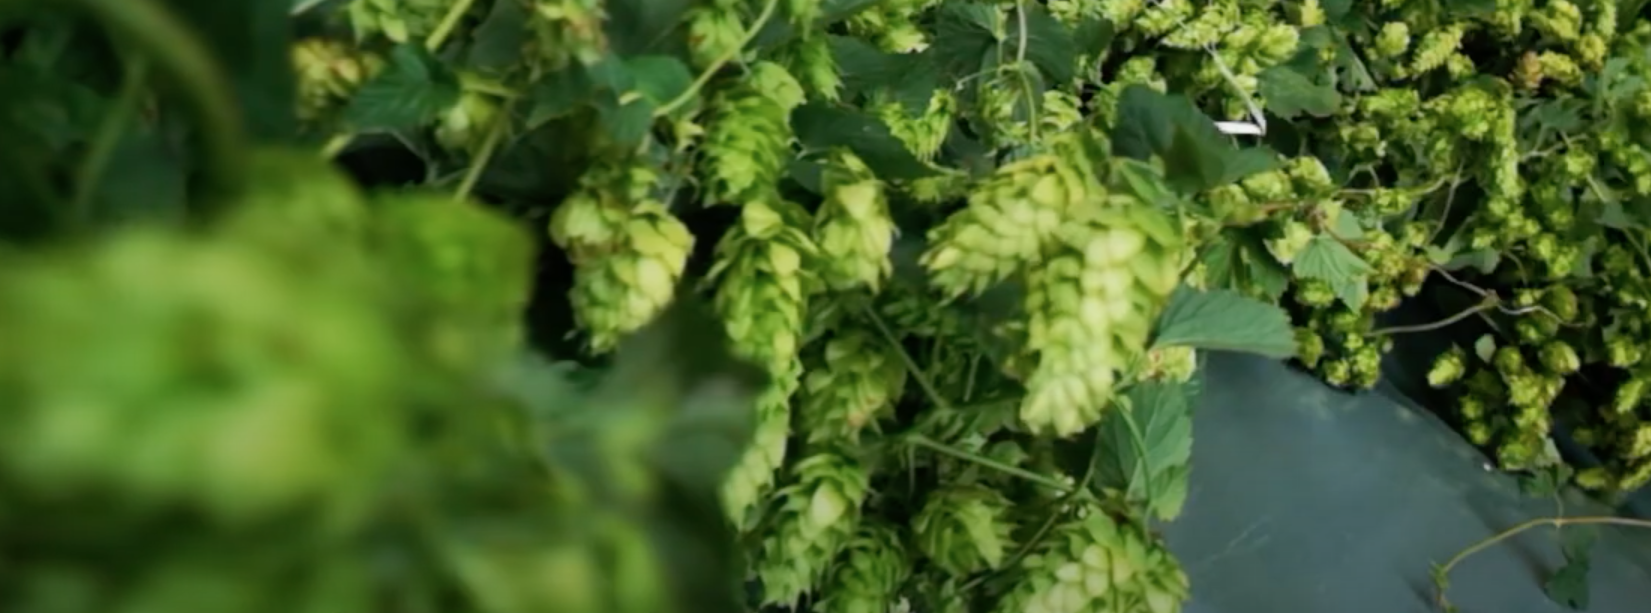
(400, 21)
(964, 529)
(328, 73)
(564, 31)
(853, 227)
(868, 574)
(748, 138)
(1097, 565)
(761, 296)
(1006, 224)
(860, 380)
(1091, 309)
(228, 380)
(817, 517)
(628, 251)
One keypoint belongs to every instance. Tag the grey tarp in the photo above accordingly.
(1309, 500)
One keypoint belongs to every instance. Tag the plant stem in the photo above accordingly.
(705, 76)
(180, 56)
(472, 175)
(1443, 572)
(916, 371)
(1013, 471)
(449, 22)
(1488, 304)
(107, 138)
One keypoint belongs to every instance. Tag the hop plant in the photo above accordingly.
(1008, 220)
(964, 528)
(1094, 564)
(563, 32)
(627, 249)
(869, 573)
(817, 517)
(762, 291)
(748, 138)
(400, 21)
(328, 74)
(853, 227)
(857, 382)
(1091, 309)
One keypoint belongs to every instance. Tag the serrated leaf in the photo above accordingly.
(1326, 258)
(659, 78)
(627, 123)
(964, 32)
(1346, 226)
(558, 94)
(908, 78)
(1196, 155)
(412, 90)
(1145, 444)
(821, 127)
(1225, 320)
(1289, 93)
(1049, 44)
(498, 40)
(1568, 586)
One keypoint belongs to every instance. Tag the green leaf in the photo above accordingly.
(626, 124)
(1328, 259)
(1049, 44)
(964, 35)
(908, 78)
(1196, 155)
(251, 41)
(1485, 347)
(1225, 320)
(414, 89)
(559, 94)
(1144, 446)
(1568, 586)
(821, 127)
(499, 39)
(1289, 93)
(659, 78)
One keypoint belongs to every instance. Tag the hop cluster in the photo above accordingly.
(817, 517)
(762, 295)
(563, 32)
(1091, 307)
(627, 248)
(853, 227)
(1095, 564)
(748, 137)
(856, 383)
(869, 573)
(965, 528)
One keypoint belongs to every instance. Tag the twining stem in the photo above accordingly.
(180, 57)
(1442, 573)
(687, 95)
(109, 133)
(916, 371)
(473, 174)
(1013, 471)
(432, 43)
(1490, 302)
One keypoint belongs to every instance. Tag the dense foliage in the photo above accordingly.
(966, 252)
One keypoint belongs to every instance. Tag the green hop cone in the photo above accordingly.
(868, 574)
(563, 32)
(1096, 564)
(302, 411)
(748, 137)
(472, 264)
(401, 21)
(464, 126)
(1559, 357)
(1091, 310)
(859, 381)
(964, 529)
(1009, 219)
(853, 227)
(1448, 368)
(817, 516)
(328, 74)
(628, 251)
(1177, 364)
(762, 292)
